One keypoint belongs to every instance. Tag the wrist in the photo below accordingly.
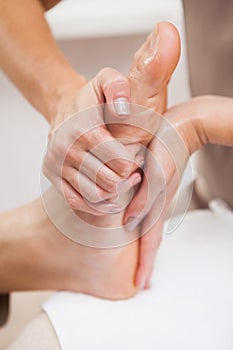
(58, 90)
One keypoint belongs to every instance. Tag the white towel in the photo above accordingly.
(190, 305)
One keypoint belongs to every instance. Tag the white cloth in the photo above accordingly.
(190, 305)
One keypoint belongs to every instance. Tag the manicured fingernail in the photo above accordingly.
(123, 186)
(111, 208)
(114, 210)
(136, 180)
(153, 46)
(142, 285)
(140, 161)
(121, 106)
(131, 224)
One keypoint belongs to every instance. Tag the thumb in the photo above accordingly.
(154, 62)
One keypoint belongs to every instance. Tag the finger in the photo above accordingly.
(95, 170)
(152, 186)
(110, 182)
(76, 202)
(116, 89)
(88, 133)
(138, 207)
(111, 152)
(150, 240)
(101, 144)
(73, 198)
(84, 186)
(154, 62)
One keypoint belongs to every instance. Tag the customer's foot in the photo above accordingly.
(150, 72)
(109, 273)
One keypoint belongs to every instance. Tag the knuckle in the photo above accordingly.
(69, 155)
(112, 76)
(124, 167)
(72, 156)
(73, 201)
(92, 138)
(92, 197)
(102, 195)
(111, 183)
(89, 194)
(106, 70)
(58, 151)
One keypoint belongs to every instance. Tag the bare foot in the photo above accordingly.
(110, 273)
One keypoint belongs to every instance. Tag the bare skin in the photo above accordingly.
(197, 122)
(148, 86)
(202, 120)
(31, 59)
(150, 240)
(104, 273)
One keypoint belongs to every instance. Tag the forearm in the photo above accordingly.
(31, 58)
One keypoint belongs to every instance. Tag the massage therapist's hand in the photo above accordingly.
(31, 58)
(83, 159)
(186, 128)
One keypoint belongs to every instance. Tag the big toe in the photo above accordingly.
(154, 63)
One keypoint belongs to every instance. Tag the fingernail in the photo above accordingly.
(131, 224)
(121, 106)
(136, 180)
(139, 160)
(153, 46)
(142, 285)
(123, 186)
(111, 208)
(141, 163)
(114, 210)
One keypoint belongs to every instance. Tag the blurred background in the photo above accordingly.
(92, 34)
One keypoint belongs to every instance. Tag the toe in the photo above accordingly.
(154, 62)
